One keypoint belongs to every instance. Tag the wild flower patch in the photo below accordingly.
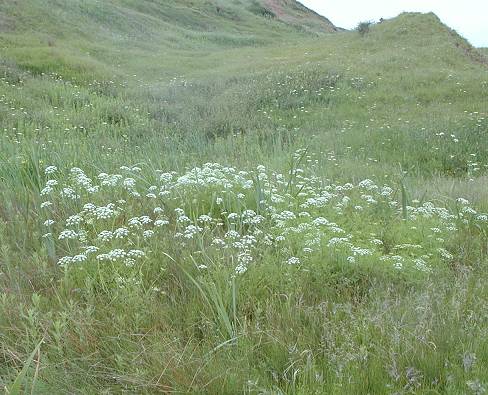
(238, 216)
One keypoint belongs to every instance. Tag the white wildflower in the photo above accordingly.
(160, 222)
(320, 221)
(105, 235)
(46, 204)
(147, 234)
(145, 220)
(50, 170)
(105, 212)
(129, 262)
(136, 253)
(293, 261)
(67, 234)
(120, 233)
(74, 220)
(90, 249)
(69, 193)
(158, 210)
(79, 258)
(46, 191)
(135, 222)
(66, 260)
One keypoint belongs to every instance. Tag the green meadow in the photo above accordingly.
(231, 197)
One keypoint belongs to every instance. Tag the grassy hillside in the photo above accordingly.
(231, 196)
(82, 38)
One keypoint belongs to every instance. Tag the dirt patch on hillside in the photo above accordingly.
(473, 54)
(295, 13)
(277, 8)
(469, 51)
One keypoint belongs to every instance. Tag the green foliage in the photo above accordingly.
(364, 28)
(16, 387)
(258, 9)
(173, 85)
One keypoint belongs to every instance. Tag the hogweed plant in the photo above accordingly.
(236, 217)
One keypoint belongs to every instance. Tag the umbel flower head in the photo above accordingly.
(124, 218)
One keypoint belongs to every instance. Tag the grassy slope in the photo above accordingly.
(169, 87)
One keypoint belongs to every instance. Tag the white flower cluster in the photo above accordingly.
(239, 215)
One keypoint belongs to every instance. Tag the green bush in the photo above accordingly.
(260, 10)
(363, 28)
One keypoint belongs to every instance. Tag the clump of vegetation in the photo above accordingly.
(364, 28)
(259, 9)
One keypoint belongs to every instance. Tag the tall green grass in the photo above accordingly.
(172, 85)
